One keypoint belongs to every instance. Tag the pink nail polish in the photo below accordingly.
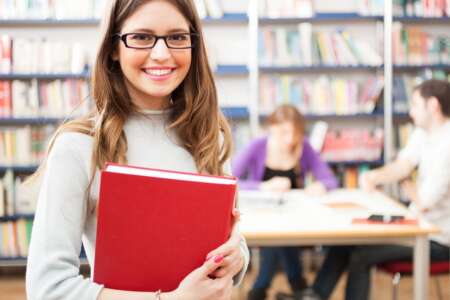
(218, 259)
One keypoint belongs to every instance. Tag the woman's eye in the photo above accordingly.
(141, 37)
(178, 37)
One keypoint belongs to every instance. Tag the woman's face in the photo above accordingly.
(284, 135)
(151, 75)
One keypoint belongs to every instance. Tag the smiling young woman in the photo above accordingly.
(155, 105)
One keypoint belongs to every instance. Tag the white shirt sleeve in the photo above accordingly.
(53, 262)
(413, 149)
(435, 186)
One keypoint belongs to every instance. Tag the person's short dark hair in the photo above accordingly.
(440, 89)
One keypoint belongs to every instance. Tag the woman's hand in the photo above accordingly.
(316, 189)
(233, 260)
(214, 279)
(198, 285)
(276, 184)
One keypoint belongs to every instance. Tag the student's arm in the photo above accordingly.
(242, 162)
(400, 168)
(392, 172)
(53, 261)
(324, 177)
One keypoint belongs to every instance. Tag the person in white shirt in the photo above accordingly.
(154, 105)
(428, 150)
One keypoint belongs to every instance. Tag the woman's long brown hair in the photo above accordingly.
(195, 116)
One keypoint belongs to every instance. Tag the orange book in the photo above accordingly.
(155, 226)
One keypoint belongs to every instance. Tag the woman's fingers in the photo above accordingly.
(230, 265)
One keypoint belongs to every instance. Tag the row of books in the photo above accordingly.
(353, 144)
(322, 95)
(33, 98)
(403, 87)
(307, 9)
(286, 8)
(49, 9)
(15, 238)
(16, 198)
(23, 145)
(421, 8)
(301, 46)
(211, 8)
(413, 46)
(22, 55)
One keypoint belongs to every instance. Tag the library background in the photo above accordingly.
(349, 66)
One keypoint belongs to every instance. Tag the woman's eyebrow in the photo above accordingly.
(175, 30)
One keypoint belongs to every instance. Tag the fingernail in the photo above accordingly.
(218, 259)
(208, 257)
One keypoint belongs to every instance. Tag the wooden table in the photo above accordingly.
(296, 219)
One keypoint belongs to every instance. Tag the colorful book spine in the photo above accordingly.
(15, 238)
(421, 8)
(353, 145)
(56, 98)
(413, 46)
(23, 145)
(322, 95)
(287, 46)
(49, 9)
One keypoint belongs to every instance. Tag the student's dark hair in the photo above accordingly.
(439, 89)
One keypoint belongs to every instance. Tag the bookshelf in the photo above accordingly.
(41, 76)
(320, 17)
(328, 24)
(385, 115)
(319, 68)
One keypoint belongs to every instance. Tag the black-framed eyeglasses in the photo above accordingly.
(136, 40)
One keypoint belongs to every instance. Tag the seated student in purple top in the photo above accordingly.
(279, 162)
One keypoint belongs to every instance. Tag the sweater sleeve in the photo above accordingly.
(319, 168)
(242, 164)
(53, 262)
(244, 249)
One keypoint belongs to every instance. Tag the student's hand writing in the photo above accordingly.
(231, 251)
(276, 184)
(198, 285)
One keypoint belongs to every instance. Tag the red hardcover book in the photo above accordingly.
(155, 226)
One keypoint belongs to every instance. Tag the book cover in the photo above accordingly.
(155, 226)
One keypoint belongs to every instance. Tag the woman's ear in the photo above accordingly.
(434, 104)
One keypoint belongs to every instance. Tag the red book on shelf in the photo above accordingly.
(156, 226)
